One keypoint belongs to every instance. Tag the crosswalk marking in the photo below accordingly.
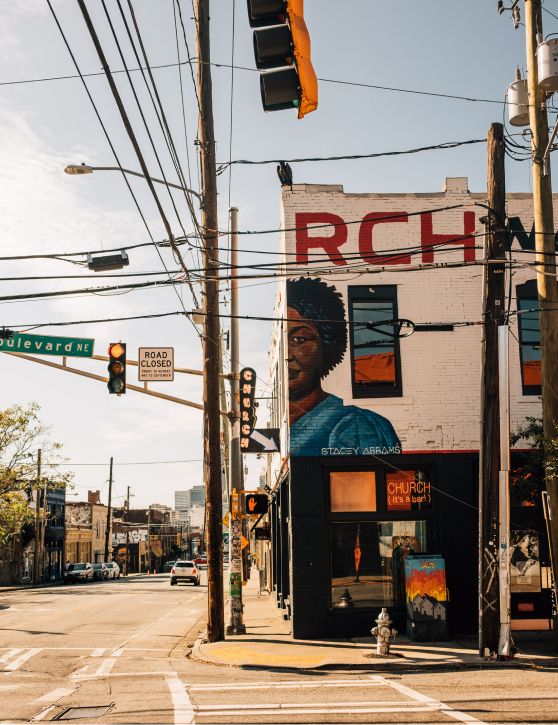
(22, 659)
(184, 713)
(54, 695)
(98, 652)
(9, 655)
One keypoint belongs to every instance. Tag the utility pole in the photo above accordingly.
(149, 540)
(236, 625)
(127, 530)
(493, 313)
(108, 527)
(211, 331)
(37, 550)
(545, 247)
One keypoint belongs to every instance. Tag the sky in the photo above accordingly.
(431, 47)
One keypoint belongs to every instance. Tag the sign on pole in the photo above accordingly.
(263, 440)
(155, 364)
(247, 391)
(47, 345)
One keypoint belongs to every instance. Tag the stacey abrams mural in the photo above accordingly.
(320, 423)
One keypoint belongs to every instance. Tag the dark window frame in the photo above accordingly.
(384, 293)
(526, 291)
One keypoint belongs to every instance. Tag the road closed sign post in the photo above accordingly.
(155, 364)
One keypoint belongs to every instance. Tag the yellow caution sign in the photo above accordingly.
(245, 542)
(226, 519)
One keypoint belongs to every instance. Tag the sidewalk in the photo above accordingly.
(268, 644)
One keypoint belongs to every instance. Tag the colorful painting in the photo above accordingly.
(525, 565)
(425, 586)
(320, 423)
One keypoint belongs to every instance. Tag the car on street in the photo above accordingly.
(201, 562)
(169, 565)
(185, 571)
(82, 572)
(113, 570)
(100, 571)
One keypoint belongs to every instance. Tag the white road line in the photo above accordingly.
(117, 652)
(41, 715)
(409, 706)
(287, 684)
(10, 654)
(22, 659)
(147, 674)
(54, 695)
(105, 667)
(184, 713)
(330, 710)
(98, 652)
(433, 704)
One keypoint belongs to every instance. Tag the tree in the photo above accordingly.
(527, 479)
(21, 434)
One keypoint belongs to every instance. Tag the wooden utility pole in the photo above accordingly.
(211, 331)
(37, 549)
(108, 527)
(546, 250)
(127, 530)
(493, 314)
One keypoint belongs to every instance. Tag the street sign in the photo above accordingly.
(262, 533)
(155, 364)
(263, 440)
(226, 520)
(247, 392)
(245, 542)
(47, 345)
(256, 504)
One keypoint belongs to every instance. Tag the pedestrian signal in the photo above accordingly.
(256, 503)
(117, 368)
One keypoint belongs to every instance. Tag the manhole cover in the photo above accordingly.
(77, 713)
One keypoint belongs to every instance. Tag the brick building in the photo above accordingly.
(380, 431)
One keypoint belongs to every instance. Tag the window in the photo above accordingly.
(529, 338)
(352, 491)
(367, 560)
(375, 361)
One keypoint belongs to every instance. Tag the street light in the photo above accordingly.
(81, 169)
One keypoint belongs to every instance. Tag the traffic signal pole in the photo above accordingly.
(37, 549)
(108, 527)
(545, 248)
(211, 332)
(236, 625)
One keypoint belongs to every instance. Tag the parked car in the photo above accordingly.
(185, 571)
(100, 571)
(201, 562)
(82, 572)
(113, 570)
(169, 565)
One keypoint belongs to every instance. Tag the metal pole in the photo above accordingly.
(127, 564)
(149, 540)
(504, 644)
(109, 517)
(37, 548)
(211, 331)
(236, 625)
(545, 247)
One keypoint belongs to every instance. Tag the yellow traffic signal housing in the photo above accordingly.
(282, 42)
(117, 368)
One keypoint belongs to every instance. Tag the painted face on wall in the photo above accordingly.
(305, 356)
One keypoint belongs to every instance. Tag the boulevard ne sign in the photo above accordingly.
(46, 345)
(155, 364)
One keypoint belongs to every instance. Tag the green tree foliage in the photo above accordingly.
(21, 435)
(528, 467)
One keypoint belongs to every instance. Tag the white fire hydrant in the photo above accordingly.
(384, 635)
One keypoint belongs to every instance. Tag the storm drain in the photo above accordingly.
(77, 713)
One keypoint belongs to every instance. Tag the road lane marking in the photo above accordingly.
(41, 715)
(95, 676)
(117, 652)
(372, 705)
(10, 654)
(98, 652)
(300, 710)
(105, 667)
(54, 695)
(22, 659)
(433, 704)
(184, 713)
(288, 684)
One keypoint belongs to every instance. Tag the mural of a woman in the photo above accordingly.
(317, 342)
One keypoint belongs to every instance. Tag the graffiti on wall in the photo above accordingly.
(320, 423)
(425, 583)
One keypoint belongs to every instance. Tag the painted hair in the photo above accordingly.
(323, 305)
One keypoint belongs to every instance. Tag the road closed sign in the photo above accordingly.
(155, 364)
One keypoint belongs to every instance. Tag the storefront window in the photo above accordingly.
(367, 560)
(408, 491)
(352, 491)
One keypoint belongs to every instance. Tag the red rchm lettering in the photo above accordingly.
(365, 239)
(429, 240)
(334, 237)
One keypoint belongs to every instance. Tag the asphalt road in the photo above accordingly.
(125, 646)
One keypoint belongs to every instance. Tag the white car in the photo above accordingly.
(185, 571)
(113, 570)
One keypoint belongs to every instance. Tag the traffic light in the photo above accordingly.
(117, 368)
(281, 40)
(256, 503)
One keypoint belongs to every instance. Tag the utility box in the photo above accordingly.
(426, 597)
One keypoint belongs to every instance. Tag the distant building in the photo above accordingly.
(196, 517)
(86, 525)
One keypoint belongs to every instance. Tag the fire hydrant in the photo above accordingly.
(384, 635)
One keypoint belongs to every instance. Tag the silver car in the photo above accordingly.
(113, 570)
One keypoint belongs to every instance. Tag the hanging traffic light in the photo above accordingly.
(281, 40)
(117, 368)
(256, 503)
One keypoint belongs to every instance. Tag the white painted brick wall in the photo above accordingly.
(440, 406)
